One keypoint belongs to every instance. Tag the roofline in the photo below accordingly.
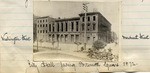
(43, 17)
(89, 13)
(68, 19)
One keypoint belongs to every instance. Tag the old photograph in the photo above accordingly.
(76, 31)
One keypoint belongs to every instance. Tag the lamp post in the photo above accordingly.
(85, 8)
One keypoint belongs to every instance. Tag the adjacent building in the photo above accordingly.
(70, 30)
(42, 28)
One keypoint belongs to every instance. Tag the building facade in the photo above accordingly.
(42, 28)
(71, 30)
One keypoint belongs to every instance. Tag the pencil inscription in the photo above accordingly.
(139, 36)
(8, 37)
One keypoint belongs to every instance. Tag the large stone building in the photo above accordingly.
(70, 30)
(42, 28)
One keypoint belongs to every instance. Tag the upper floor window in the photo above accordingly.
(62, 27)
(94, 18)
(66, 26)
(50, 27)
(53, 27)
(43, 31)
(43, 25)
(40, 21)
(88, 18)
(58, 27)
(94, 26)
(82, 27)
(77, 26)
(46, 25)
(46, 20)
(72, 26)
(43, 20)
(88, 27)
(83, 19)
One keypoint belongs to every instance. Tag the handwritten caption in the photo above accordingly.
(14, 39)
(26, 3)
(137, 36)
(107, 65)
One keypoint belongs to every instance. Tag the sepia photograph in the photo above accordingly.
(76, 31)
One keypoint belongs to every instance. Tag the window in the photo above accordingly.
(57, 37)
(43, 25)
(77, 26)
(40, 21)
(46, 31)
(61, 37)
(40, 31)
(72, 26)
(88, 27)
(66, 37)
(83, 19)
(66, 26)
(88, 38)
(58, 27)
(43, 31)
(72, 38)
(53, 28)
(38, 25)
(62, 27)
(46, 20)
(50, 27)
(94, 18)
(46, 25)
(94, 25)
(43, 20)
(53, 37)
(93, 38)
(82, 27)
(77, 38)
(88, 18)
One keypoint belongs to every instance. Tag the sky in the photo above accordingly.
(68, 9)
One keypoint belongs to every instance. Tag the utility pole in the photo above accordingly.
(37, 35)
(85, 8)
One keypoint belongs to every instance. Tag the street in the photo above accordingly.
(59, 55)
